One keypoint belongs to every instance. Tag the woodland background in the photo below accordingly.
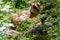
(9, 7)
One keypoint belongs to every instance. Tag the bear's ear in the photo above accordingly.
(38, 4)
(30, 4)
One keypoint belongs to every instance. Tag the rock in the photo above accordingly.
(37, 30)
(48, 23)
(8, 25)
(12, 33)
(2, 29)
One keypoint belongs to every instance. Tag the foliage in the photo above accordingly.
(52, 22)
